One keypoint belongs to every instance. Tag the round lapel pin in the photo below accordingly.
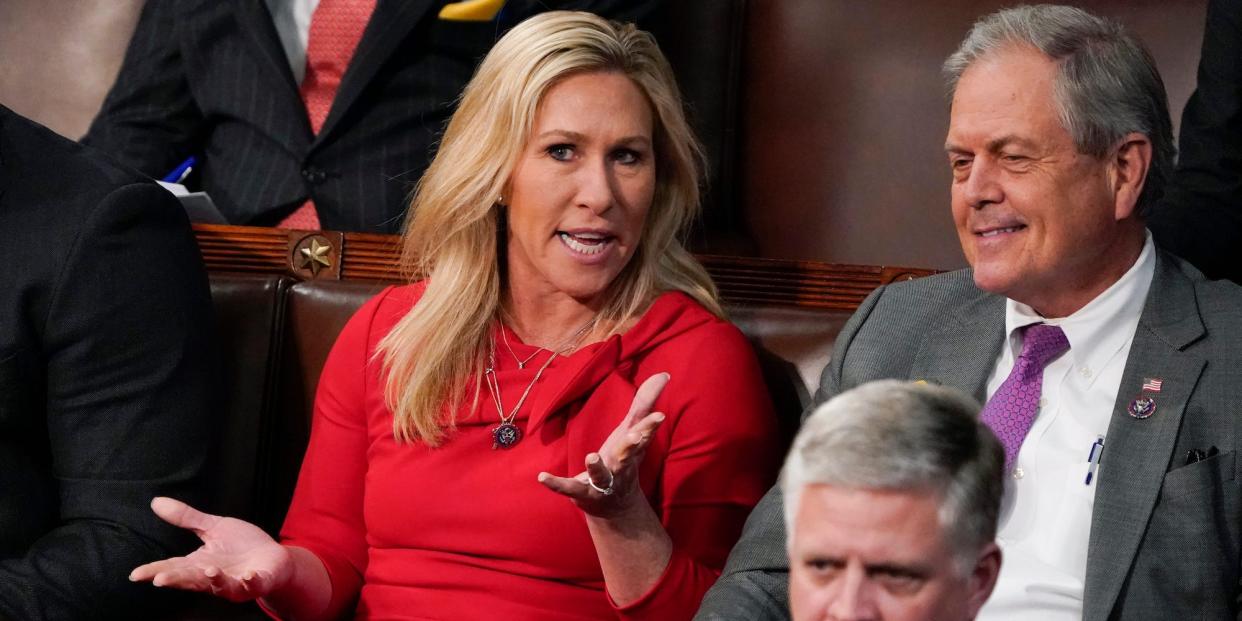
(1142, 407)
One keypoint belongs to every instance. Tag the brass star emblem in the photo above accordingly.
(315, 257)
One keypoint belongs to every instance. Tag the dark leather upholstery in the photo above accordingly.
(249, 312)
(249, 319)
(793, 346)
(316, 311)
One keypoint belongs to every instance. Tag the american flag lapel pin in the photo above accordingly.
(1144, 405)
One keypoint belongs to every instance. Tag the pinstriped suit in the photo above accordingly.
(1165, 536)
(210, 78)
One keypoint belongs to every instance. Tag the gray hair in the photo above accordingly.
(1106, 86)
(895, 435)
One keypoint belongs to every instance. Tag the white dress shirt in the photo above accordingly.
(292, 19)
(1046, 512)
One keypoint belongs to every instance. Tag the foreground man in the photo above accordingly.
(892, 491)
(105, 322)
(1112, 367)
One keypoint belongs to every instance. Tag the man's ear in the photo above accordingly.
(983, 577)
(1128, 172)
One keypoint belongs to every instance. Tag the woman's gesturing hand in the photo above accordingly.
(237, 561)
(609, 485)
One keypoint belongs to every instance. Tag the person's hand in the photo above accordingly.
(609, 485)
(237, 561)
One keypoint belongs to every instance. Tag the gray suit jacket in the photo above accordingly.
(1164, 540)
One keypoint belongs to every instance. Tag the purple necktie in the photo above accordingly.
(1011, 410)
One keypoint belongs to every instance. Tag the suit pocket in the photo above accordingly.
(1200, 476)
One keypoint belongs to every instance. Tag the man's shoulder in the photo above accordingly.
(900, 317)
(1217, 301)
(1220, 301)
(934, 295)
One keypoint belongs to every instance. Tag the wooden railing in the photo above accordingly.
(361, 256)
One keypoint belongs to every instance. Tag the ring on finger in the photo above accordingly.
(607, 490)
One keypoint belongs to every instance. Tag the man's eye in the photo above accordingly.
(822, 566)
(899, 583)
(960, 167)
(1013, 159)
(561, 152)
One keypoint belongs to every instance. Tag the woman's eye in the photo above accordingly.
(561, 152)
(627, 156)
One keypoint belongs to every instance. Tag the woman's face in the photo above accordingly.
(582, 187)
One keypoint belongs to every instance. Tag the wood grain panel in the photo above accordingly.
(368, 257)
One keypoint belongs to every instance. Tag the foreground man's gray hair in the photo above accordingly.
(895, 435)
(1107, 84)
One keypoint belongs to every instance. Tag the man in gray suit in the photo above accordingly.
(1112, 368)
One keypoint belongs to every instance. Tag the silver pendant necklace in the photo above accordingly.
(507, 434)
(521, 363)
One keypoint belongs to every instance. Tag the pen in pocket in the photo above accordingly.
(178, 174)
(1093, 458)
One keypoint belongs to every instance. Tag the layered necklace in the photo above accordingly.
(507, 434)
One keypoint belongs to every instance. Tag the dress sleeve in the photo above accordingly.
(326, 515)
(723, 455)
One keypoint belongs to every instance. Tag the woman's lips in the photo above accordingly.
(584, 243)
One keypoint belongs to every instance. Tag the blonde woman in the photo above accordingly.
(553, 422)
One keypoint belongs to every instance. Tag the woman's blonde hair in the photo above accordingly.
(453, 234)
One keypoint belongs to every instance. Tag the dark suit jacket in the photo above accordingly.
(1164, 540)
(210, 78)
(104, 312)
(1200, 216)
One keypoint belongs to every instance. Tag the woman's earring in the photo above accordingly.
(500, 200)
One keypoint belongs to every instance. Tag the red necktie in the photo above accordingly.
(335, 29)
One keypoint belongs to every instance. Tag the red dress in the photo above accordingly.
(463, 532)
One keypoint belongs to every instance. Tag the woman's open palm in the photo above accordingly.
(237, 561)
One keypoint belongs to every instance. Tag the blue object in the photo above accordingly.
(178, 174)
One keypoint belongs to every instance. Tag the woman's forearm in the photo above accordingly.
(306, 593)
(633, 549)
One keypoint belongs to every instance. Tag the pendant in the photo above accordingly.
(505, 436)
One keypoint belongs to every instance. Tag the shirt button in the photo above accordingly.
(1086, 372)
(1018, 473)
(1043, 402)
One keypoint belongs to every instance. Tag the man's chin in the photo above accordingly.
(992, 280)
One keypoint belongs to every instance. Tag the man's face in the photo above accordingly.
(860, 554)
(1037, 220)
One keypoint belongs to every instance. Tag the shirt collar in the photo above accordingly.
(1099, 329)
